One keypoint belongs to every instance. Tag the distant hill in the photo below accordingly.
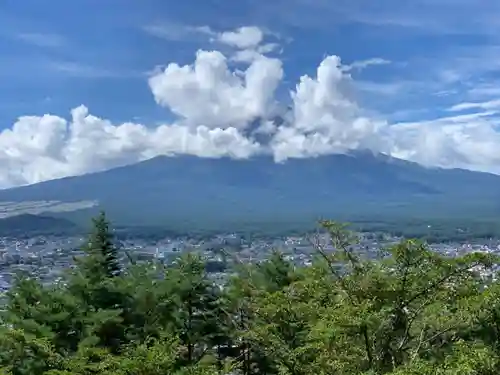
(31, 224)
(191, 191)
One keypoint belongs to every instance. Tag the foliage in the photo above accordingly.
(407, 311)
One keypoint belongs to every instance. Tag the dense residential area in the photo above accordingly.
(48, 256)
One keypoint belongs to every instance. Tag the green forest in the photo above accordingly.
(408, 311)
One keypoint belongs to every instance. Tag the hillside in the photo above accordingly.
(41, 224)
(208, 192)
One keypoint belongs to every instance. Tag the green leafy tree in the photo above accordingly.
(412, 303)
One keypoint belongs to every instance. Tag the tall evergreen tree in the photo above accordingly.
(101, 258)
(92, 278)
(195, 305)
(93, 281)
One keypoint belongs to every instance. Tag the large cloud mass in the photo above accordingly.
(224, 109)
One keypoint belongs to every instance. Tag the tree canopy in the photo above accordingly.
(408, 310)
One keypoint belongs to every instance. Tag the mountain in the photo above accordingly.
(40, 224)
(186, 190)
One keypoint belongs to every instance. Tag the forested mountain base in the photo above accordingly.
(411, 311)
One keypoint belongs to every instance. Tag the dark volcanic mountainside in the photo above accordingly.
(185, 187)
(28, 223)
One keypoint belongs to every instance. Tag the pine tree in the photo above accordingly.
(92, 279)
(195, 304)
(101, 260)
(44, 311)
(94, 283)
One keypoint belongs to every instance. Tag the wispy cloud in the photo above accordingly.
(80, 70)
(384, 88)
(243, 38)
(485, 90)
(426, 17)
(406, 86)
(489, 105)
(175, 32)
(42, 39)
(406, 114)
(362, 64)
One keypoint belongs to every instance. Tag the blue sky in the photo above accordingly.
(427, 56)
(59, 54)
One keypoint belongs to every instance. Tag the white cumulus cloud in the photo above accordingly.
(47, 147)
(248, 42)
(230, 108)
(244, 37)
(326, 119)
(210, 94)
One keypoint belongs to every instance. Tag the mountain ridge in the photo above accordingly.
(184, 188)
(367, 154)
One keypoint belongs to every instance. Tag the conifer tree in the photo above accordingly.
(92, 278)
(101, 258)
(93, 281)
(195, 305)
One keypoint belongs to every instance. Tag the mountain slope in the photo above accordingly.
(39, 224)
(184, 188)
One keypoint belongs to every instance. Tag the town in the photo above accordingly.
(47, 257)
